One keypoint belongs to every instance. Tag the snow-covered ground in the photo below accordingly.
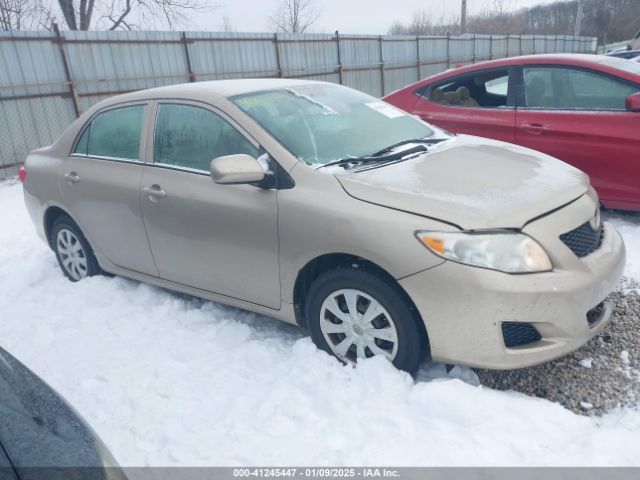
(170, 380)
(628, 224)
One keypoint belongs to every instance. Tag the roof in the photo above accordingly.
(210, 90)
(604, 63)
(540, 58)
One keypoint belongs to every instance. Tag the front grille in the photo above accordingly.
(583, 240)
(516, 334)
(595, 314)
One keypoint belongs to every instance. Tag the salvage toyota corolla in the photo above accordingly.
(333, 210)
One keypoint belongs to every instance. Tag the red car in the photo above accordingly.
(583, 109)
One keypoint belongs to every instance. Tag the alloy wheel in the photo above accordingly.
(72, 254)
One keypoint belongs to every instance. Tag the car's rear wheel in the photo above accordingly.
(74, 254)
(353, 315)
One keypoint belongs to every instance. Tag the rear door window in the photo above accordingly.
(554, 88)
(114, 133)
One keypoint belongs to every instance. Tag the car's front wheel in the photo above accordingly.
(74, 254)
(353, 314)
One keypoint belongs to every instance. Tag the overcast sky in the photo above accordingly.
(348, 16)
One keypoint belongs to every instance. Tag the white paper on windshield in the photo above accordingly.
(385, 109)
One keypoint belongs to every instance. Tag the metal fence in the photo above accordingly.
(48, 78)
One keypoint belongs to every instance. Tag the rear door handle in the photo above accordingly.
(534, 128)
(154, 192)
(72, 177)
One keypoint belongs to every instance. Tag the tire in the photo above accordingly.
(75, 255)
(405, 342)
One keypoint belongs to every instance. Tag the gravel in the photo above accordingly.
(597, 378)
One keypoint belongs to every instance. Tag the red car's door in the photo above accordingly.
(579, 116)
(479, 103)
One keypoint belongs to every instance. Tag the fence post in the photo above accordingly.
(185, 45)
(275, 44)
(339, 57)
(520, 45)
(534, 44)
(491, 47)
(418, 62)
(67, 71)
(381, 65)
(473, 60)
(448, 50)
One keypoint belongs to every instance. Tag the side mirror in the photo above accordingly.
(633, 102)
(234, 169)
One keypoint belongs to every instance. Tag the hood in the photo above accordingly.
(473, 183)
(39, 429)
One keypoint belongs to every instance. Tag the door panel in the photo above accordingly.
(219, 238)
(493, 123)
(106, 203)
(579, 117)
(102, 194)
(479, 103)
(604, 145)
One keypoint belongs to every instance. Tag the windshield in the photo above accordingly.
(324, 123)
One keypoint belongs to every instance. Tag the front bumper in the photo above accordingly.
(463, 307)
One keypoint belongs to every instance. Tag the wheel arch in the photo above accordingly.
(51, 214)
(323, 263)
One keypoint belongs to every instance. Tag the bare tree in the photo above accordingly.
(128, 14)
(12, 14)
(424, 23)
(620, 19)
(294, 16)
(24, 15)
(227, 25)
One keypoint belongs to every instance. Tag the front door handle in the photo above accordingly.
(72, 177)
(534, 128)
(154, 192)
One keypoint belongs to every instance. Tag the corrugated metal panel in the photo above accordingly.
(139, 60)
(500, 46)
(400, 58)
(305, 55)
(461, 49)
(513, 46)
(35, 63)
(528, 45)
(434, 53)
(231, 55)
(360, 56)
(483, 47)
(35, 95)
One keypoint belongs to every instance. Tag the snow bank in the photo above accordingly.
(170, 380)
(628, 224)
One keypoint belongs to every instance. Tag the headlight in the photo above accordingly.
(509, 252)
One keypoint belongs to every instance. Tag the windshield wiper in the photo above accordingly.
(424, 141)
(381, 157)
(373, 158)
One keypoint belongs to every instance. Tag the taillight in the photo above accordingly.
(22, 173)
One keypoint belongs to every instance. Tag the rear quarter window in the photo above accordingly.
(114, 133)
